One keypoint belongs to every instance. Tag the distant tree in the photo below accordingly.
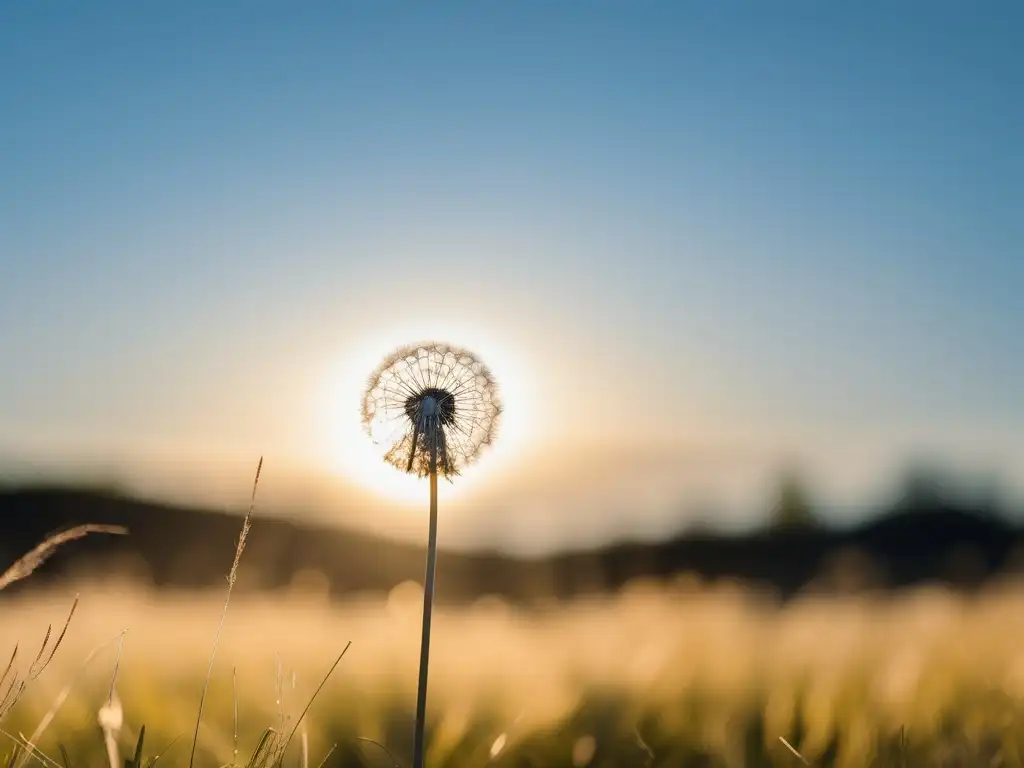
(792, 508)
(991, 498)
(924, 487)
(931, 488)
(702, 519)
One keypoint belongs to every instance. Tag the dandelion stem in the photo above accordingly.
(428, 606)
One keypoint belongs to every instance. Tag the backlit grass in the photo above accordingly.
(654, 676)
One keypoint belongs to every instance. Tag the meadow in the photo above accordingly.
(683, 674)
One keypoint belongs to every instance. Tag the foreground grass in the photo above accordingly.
(654, 676)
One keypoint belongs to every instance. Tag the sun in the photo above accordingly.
(354, 456)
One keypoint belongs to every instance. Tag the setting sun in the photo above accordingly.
(353, 454)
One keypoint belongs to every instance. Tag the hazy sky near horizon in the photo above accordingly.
(681, 232)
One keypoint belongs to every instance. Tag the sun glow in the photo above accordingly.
(355, 456)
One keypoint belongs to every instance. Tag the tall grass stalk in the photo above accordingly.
(234, 716)
(58, 702)
(302, 717)
(17, 685)
(232, 578)
(30, 561)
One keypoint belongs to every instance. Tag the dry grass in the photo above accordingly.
(652, 676)
(684, 675)
(28, 563)
(13, 684)
(232, 578)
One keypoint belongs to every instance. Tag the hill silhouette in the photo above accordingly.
(186, 548)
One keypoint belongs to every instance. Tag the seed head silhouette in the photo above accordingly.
(432, 402)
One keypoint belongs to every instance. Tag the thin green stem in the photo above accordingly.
(418, 753)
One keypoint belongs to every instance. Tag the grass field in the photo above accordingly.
(655, 676)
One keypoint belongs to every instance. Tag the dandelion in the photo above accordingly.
(434, 407)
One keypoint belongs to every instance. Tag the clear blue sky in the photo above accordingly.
(794, 226)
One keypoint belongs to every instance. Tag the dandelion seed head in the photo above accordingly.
(429, 401)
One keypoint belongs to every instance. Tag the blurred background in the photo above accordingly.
(749, 277)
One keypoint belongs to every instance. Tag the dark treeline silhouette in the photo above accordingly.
(925, 537)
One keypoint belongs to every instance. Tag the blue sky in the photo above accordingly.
(787, 229)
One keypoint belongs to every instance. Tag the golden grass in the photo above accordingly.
(667, 671)
(677, 675)
(12, 683)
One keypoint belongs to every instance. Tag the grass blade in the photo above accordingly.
(232, 577)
